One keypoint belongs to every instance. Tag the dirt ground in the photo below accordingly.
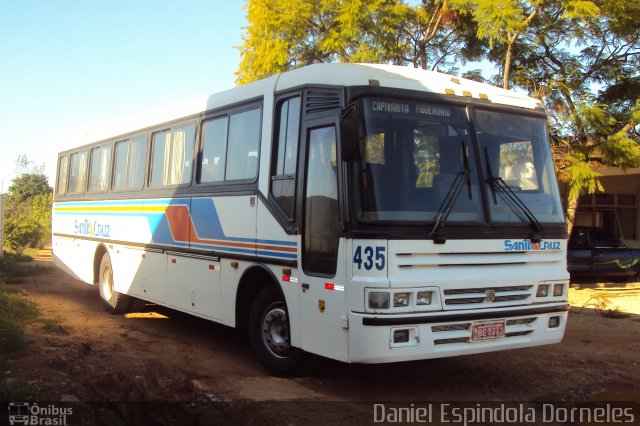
(160, 356)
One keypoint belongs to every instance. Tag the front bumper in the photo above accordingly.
(446, 333)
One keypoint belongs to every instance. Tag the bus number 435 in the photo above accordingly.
(368, 257)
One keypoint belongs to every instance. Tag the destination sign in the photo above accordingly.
(414, 110)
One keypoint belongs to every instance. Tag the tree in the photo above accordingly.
(503, 22)
(27, 186)
(436, 35)
(286, 34)
(28, 207)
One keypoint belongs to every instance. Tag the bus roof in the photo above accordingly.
(401, 77)
(332, 74)
(392, 76)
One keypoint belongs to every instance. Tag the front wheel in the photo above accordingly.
(114, 302)
(269, 334)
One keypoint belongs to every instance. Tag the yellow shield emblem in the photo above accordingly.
(321, 306)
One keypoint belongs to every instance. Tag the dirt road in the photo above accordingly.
(168, 356)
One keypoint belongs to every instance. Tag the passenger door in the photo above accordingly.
(322, 276)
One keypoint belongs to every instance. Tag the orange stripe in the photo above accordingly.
(183, 230)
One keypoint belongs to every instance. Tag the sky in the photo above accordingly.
(71, 67)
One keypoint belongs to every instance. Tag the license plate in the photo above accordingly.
(487, 331)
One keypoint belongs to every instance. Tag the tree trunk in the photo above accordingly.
(507, 66)
(572, 205)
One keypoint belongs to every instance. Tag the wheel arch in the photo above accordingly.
(253, 280)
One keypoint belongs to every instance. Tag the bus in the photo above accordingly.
(360, 212)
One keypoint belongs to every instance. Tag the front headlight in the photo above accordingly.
(558, 290)
(424, 298)
(543, 290)
(378, 300)
(400, 300)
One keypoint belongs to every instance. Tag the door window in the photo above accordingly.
(321, 203)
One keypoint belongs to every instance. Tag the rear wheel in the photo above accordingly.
(269, 334)
(114, 302)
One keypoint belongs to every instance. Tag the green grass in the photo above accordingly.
(14, 306)
(52, 326)
(13, 271)
(14, 310)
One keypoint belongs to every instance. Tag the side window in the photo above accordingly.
(243, 145)
(172, 156)
(283, 179)
(137, 162)
(63, 170)
(321, 221)
(214, 147)
(78, 173)
(100, 169)
(130, 164)
(230, 147)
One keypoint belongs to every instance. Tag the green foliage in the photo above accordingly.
(621, 151)
(286, 34)
(8, 267)
(579, 177)
(27, 219)
(579, 9)
(21, 232)
(29, 185)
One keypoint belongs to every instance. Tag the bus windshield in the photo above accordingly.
(419, 160)
(517, 161)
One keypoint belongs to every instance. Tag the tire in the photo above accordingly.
(113, 302)
(269, 335)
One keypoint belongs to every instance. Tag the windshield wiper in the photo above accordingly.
(446, 207)
(499, 186)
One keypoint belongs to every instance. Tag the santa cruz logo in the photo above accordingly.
(92, 229)
(527, 245)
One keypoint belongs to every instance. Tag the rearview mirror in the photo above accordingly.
(350, 133)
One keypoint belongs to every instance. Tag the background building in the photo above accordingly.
(616, 209)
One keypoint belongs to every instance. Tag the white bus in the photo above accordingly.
(364, 213)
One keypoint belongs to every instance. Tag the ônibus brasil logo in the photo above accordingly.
(25, 413)
(528, 245)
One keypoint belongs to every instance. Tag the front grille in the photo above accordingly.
(519, 333)
(484, 289)
(489, 296)
(447, 341)
(449, 327)
(521, 321)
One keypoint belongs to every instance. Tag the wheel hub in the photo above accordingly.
(275, 332)
(107, 283)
